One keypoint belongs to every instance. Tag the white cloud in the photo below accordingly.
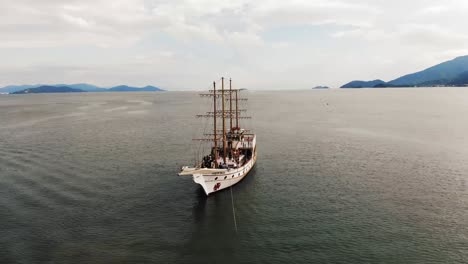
(187, 42)
(78, 21)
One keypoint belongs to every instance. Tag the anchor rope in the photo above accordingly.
(233, 210)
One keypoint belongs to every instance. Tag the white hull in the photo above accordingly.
(213, 180)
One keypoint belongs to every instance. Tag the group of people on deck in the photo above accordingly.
(208, 161)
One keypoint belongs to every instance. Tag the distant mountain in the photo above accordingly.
(449, 73)
(320, 87)
(49, 89)
(125, 88)
(460, 80)
(14, 88)
(82, 86)
(444, 71)
(363, 84)
(85, 87)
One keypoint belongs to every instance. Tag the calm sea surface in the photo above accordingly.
(343, 176)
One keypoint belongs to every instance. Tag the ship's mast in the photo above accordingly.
(237, 113)
(230, 104)
(237, 124)
(223, 114)
(214, 127)
(224, 121)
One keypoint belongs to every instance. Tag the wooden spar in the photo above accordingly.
(227, 111)
(230, 104)
(220, 130)
(210, 135)
(224, 121)
(219, 115)
(205, 139)
(214, 128)
(237, 111)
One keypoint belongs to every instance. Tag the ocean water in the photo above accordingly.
(343, 176)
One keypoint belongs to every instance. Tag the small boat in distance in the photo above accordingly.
(233, 151)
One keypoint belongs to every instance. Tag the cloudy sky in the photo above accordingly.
(263, 44)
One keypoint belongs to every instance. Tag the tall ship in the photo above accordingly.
(233, 150)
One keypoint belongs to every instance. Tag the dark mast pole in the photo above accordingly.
(237, 113)
(230, 104)
(224, 121)
(214, 127)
